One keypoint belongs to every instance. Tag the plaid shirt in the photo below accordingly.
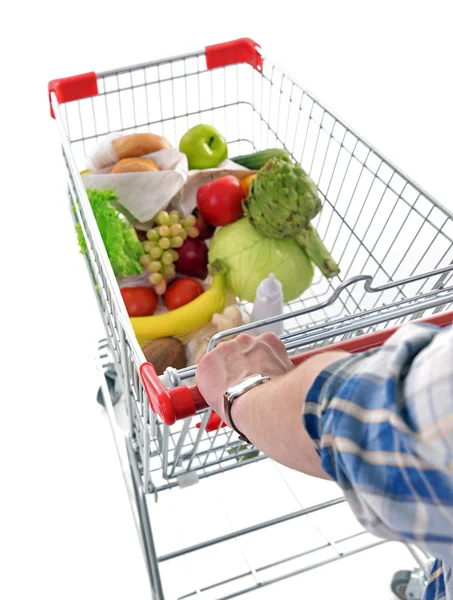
(382, 422)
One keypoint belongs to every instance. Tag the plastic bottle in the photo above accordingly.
(268, 303)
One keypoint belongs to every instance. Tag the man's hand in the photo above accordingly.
(231, 361)
(270, 415)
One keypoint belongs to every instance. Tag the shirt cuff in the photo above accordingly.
(318, 397)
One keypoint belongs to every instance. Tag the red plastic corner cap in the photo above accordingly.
(182, 401)
(158, 397)
(77, 87)
(243, 50)
(171, 405)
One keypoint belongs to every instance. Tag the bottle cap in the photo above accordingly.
(270, 288)
(268, 303)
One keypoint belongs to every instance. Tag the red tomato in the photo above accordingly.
(139, 301)
(182, 291)
(220, 201)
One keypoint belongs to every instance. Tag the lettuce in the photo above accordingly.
(248, 258)
(123, 247)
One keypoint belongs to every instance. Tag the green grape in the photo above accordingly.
(169, 270)
(174, 255)
(183, 235)
(177, 242)
(174, 217)
(189, 221)
(145, 260)
(163, 218)
(160, 288)
(167, 258)
(155, 278)
(155, 252)
(175, 229)
(164, 231)
(165, 243)
(193, 232)
(147, 246)
(152, 235)
(155, 266)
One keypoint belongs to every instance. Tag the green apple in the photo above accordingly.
(204, 146)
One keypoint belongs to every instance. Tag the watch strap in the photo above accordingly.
(231, 397)
(230, 422)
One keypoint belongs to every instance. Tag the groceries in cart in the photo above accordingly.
(189, 233)
(204, 146)
(115, 149)
(123, 247)
(165, 352)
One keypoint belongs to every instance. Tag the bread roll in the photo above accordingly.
(134, 165)
(139, 144)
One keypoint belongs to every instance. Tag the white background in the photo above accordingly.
(385, 67)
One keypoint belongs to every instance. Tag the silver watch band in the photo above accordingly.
(236, 391)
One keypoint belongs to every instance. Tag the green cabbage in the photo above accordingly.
(249, 258)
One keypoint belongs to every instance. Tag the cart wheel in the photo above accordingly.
(399, 583)
(110, 377)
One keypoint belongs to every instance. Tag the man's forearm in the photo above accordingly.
(270, 415)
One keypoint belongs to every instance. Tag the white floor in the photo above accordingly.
(65, 526)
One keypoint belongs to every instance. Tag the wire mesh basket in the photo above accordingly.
(392, 240)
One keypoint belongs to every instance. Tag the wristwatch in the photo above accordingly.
(234, 392)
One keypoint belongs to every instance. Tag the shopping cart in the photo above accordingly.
(394, 245)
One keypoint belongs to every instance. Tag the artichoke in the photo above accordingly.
(281, 202)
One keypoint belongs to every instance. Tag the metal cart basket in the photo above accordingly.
(394, 245)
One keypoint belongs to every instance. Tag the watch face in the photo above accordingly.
(242, 385)
(235, 389)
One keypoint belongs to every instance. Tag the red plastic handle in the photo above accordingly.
(77, 87)
(214, 422)
(182, 402)
(243, 50)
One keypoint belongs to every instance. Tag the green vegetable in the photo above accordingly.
(258, 159)
(237, 449)
(248, 258)
(124, 249)
(281, 202)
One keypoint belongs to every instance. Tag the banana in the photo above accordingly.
(185, 319)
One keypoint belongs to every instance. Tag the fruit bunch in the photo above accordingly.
(163, 240)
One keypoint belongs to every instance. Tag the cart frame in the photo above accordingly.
(372, 215)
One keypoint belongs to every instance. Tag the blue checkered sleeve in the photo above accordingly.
(382, 422)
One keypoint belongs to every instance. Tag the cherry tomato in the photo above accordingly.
(182, 291)
(220, 201)
(139, 301)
